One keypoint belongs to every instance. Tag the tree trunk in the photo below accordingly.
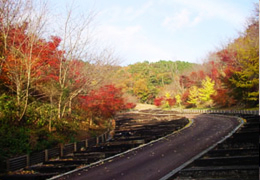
(50, 120)
(59, 106)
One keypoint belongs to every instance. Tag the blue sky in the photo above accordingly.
(155, 30)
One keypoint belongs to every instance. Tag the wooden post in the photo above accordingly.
(8, 165)
(103, 138)
(97, 140)
(61, 150)
(27, 160)
(86, 143)
(46, 155)
(75, 146)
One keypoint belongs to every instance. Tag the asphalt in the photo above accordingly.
(155, 160)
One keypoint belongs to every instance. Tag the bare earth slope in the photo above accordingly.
(158, 159)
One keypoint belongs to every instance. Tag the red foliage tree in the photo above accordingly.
(171, 101)
(185, 81)
(185, 97)
(223, 98)
(104, 102)
(202, 74)
(158, 101)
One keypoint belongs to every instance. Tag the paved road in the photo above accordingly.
(158, 159)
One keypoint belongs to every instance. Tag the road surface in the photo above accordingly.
(159, 158)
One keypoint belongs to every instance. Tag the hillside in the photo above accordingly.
(145, 80)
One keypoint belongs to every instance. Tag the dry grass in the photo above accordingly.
(144, 106)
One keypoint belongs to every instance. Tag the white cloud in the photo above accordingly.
(221, 9)
(138, 30)
(181, 19)
(131, 42)
(128, 13)
(134, 14)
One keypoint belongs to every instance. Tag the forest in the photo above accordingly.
(54, 89)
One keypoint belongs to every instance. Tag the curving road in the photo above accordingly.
(159, 158)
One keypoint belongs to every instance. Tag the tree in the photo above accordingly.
(21, 49)
(206, 91)
(78, 69)
(193, 96)
(240, 60)
(247, 77)
(141, 90)
(102, 104)
(178, 100)
(223, 98)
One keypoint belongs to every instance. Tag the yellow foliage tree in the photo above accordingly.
(178, 99)
(193, 96)
(202, 96)
(207, 90)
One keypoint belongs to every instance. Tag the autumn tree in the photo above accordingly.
(206, 91)
(194, 96)
(240, 60)
(21, 27)
(78, 69)
(178, 99)
(246, 79)
(102, 104)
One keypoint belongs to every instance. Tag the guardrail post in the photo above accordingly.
(27, 160)
(86, 143)
(46, 157)
(75, 146)
(97, 140)
(61, 150)
(7, 165)
(103, 138)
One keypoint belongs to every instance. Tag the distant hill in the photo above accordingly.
(144, 79)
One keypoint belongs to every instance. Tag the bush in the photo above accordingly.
(14, 141)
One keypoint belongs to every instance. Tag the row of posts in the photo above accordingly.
(99, 139)
(103, 139)
(254, 112)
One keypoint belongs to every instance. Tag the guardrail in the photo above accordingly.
(195, 111)
(20, 162)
